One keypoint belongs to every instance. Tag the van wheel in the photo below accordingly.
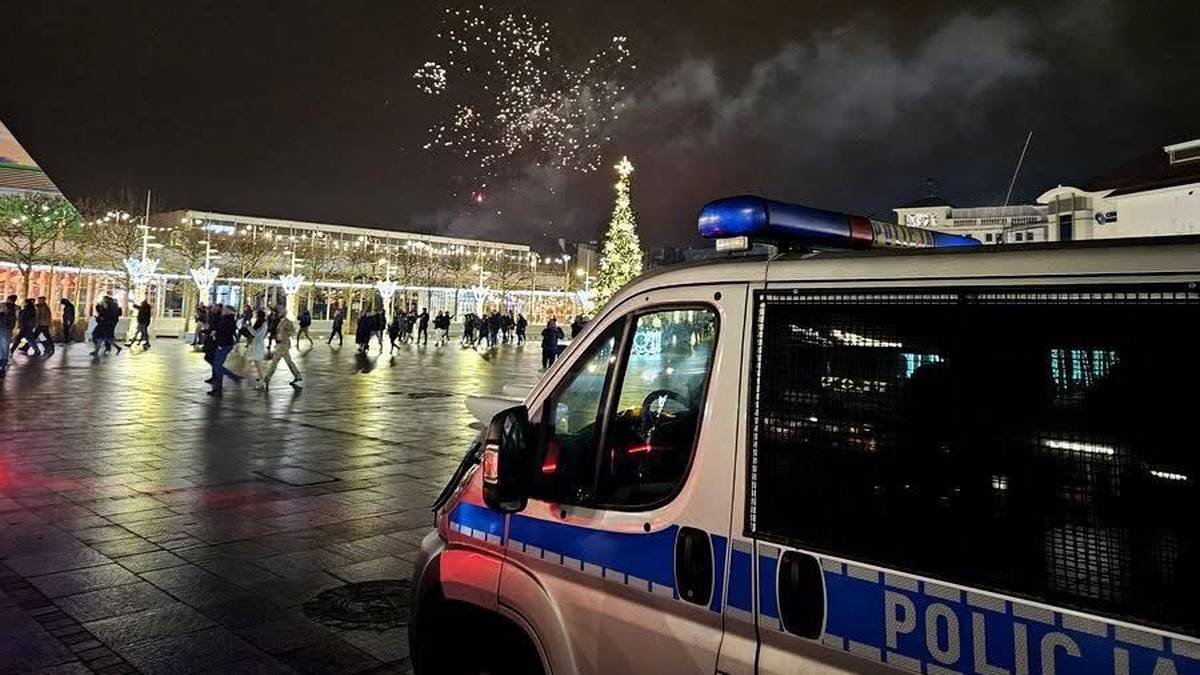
(462, 639)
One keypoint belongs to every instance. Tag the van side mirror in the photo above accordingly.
(507, 461)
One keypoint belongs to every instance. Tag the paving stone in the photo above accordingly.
(191, 653)
(154, 560)
(330, 656)
(171, 620)
(115, 601)
(32, 651)
(119, 548)
(87, 579)
(58, 561)
(387, 646)
(369, 570)
(285, 634)
(71, 668)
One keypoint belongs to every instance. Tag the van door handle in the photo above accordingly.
(693, 565)
(801, 594)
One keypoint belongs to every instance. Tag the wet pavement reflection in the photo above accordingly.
(146, 527)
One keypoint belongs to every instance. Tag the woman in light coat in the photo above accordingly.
(258, 347)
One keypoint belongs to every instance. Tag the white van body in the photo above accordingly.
(595, 590)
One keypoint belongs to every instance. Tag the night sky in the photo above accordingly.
(309, 110)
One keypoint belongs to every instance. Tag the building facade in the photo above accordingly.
(1157, 194)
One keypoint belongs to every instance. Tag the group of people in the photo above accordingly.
(492, 329)
(268, 335)
(407, 326)
(26, 327)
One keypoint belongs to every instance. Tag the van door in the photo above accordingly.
(622, 550)
(990, 479)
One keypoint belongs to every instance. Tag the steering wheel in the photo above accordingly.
(654, 408)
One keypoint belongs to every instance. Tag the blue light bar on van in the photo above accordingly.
(751, 218)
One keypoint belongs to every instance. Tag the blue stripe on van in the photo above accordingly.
(926, 626)
(766, 584)
(741, 578)
(650, 557)
(478, 518)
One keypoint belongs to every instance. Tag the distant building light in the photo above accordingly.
(1168, 475)
(1076, 446)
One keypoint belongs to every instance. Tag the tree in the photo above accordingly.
(112, 233)
(621, 257)
(189, 246)
(30, 225)
(320, 261)
(249, 253)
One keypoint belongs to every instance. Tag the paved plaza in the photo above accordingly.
(146, 527)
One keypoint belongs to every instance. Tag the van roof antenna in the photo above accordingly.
(1016, 171)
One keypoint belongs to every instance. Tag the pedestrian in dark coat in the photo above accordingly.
(68, 319)
(551, 334)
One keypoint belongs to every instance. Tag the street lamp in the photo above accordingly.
(205, 276)
(387, 289)
(142, 269)
(479, 290)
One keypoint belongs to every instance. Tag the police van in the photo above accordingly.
(935, 457)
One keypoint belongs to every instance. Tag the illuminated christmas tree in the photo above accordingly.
(621, 258)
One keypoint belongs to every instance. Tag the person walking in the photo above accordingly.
(423, 327)
(272, 325)
(378, 326)
(99, 331)
(26, 329)
(305, 320)
(283, 338)
(551, 334)
(224, 336)
(68, 319)
(8, 321)
(43, 325)
(393, 331)
(201, 319)
(143, 325)
(107, 317)
(443, 328)
(258, 348)
(522, 325)
(113, 312)
(336, 330)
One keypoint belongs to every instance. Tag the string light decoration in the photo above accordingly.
(141, 271)
(205, 278)
(510, 96)
(291, 283)
(387, 290)
(621, 257)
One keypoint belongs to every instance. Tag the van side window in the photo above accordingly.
(649, 442)
(1037, 442)
(571, 421)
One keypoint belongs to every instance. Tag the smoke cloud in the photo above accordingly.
(821, 118)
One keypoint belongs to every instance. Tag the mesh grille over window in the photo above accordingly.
(1037, 442)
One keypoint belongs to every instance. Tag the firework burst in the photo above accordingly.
(509, 97)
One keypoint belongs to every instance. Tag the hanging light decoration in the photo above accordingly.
(291, 283)
(205, 277)
(141, 270)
